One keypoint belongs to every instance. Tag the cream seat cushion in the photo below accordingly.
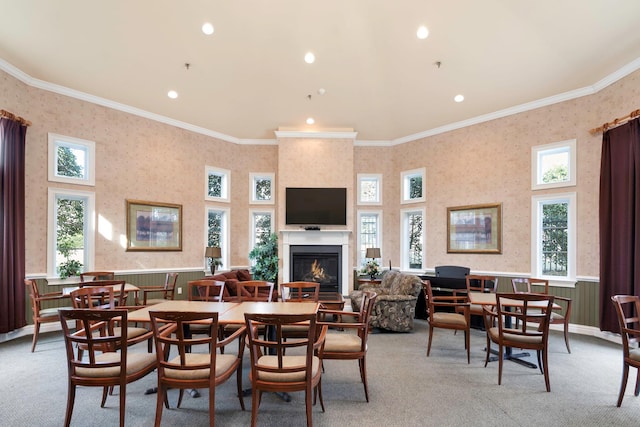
(224, 362)
(450, 318)
(288, 362)
(342, 343)
(136, 362)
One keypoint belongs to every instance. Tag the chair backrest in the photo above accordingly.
(34, 295)
(94, 297)
(534, 308)
(523, 285)
(89, 276)
(628, 311)
(368, 302)
(479, 283)
(205, 290)
(300, 291)
(255, 290)
(117, 285)
(170, 285)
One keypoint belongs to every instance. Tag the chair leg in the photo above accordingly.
(239, 384)
(319, 389)
(623, 385)
(160, 402)
(637, 390)
(430, 336)
(123, 400)
(566, 335)
(546, 369)
(363, 376)
(540, 364)
(486, 359)
(255, 402)
(180, 394)
(105, 392)
(212, 406)
(500, 360)
(467, 345)
(307, 402)
(36, 332)
(71, 398)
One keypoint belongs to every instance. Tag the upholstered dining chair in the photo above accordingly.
(40, 314)
(186, 362)
(273, 370)
(167, 290)
(89, 276)
(524, 285)
(628, 311)
(100, 367)
(448, 312)
(350, 345)
(525, 308)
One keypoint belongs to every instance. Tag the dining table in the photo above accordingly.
(491, 299)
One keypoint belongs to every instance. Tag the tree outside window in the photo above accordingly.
(215, 185)
(263, 189)
(415, 240)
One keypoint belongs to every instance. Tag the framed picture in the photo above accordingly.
(475, 229)
(153, 226)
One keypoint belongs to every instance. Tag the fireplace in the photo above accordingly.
(317, 263)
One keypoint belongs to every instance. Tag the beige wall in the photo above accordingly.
(139, 158)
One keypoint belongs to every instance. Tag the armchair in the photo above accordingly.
(395, 305)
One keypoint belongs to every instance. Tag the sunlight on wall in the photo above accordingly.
(105, 228)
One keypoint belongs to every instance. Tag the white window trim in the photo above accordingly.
(404, 185)
(224, 247)
(370, 176)
(51, 228)
(252, 224)
(535, 164)
(90, 177)
(378, 244)
(536, 233)
(226, 183)
(253, 177)
(404, 254)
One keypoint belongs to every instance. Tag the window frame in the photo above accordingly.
(252, 224)
(89, 147)
(90, 228)
(253, 178)
(539, 151)
(536, 235)
(404, 241)
(405, 177)
(224, 235)
(370, 177)
(225, 184)
(361, 259)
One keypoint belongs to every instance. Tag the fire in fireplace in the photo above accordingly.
(317, 263)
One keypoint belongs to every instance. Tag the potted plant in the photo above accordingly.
(70, 267)
(371, 269)
(265, 253)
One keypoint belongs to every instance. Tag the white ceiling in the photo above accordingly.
(249, 78)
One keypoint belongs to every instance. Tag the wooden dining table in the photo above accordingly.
(491, 299)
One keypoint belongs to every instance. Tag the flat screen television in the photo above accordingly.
(316, 206)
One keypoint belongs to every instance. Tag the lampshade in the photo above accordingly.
(213, 252)
(373, 253)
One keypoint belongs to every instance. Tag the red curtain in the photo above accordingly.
(619, 218)
(12, 168)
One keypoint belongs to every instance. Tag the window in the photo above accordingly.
(262, 188)
(261, 226)
(217, 184)
(412, 186)
(217, 233)
(369, 189)
(412, 239)
(70, 239)
(369, 233)
(553, 165)
(554, 236)
(71, 160)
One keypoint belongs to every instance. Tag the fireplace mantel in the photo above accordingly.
(316, 237)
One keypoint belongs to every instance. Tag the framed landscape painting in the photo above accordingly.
(153, 226)
(475, 229)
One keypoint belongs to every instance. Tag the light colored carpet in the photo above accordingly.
(406, 389)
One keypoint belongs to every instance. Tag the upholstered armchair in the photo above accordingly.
(395, 305)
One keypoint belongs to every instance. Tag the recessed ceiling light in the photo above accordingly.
(310, 121)
(458, 98)
(423, 32)
(309, 58)
(172, 94)
(207, 28)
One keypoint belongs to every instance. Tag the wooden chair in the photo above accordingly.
(457, 318)
(98, 368)
(505, 335)
(524, 285)
(255, 290)
(628, 310)
(118, 285)
(272, 370)
(190, 368)
(205, 290)
(90, 276)
(477, 283)
(300, 291)
(349, 346)
(168, 290)
(41, 315)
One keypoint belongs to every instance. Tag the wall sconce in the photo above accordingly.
(215, 253)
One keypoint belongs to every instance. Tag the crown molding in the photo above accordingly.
(317, 135)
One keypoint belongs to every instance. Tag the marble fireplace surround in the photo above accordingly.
(316, 237)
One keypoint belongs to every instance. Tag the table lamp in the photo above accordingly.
(214, 253)
(373, 253)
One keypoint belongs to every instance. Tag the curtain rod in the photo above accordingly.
(619, 121)
(11, 116)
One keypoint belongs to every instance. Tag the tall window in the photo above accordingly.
(261, 225)
(369, 189)
(71, 232)
(217, 184)
(217, 233)
(262, 188)
(71, 160)
(412, 239)
(413, 185)
(369, 233)
(553, 165)
(554, 236)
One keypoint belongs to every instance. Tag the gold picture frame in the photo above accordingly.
(475, 229)
(153, 226)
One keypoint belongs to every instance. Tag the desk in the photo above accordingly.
(483, 298)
